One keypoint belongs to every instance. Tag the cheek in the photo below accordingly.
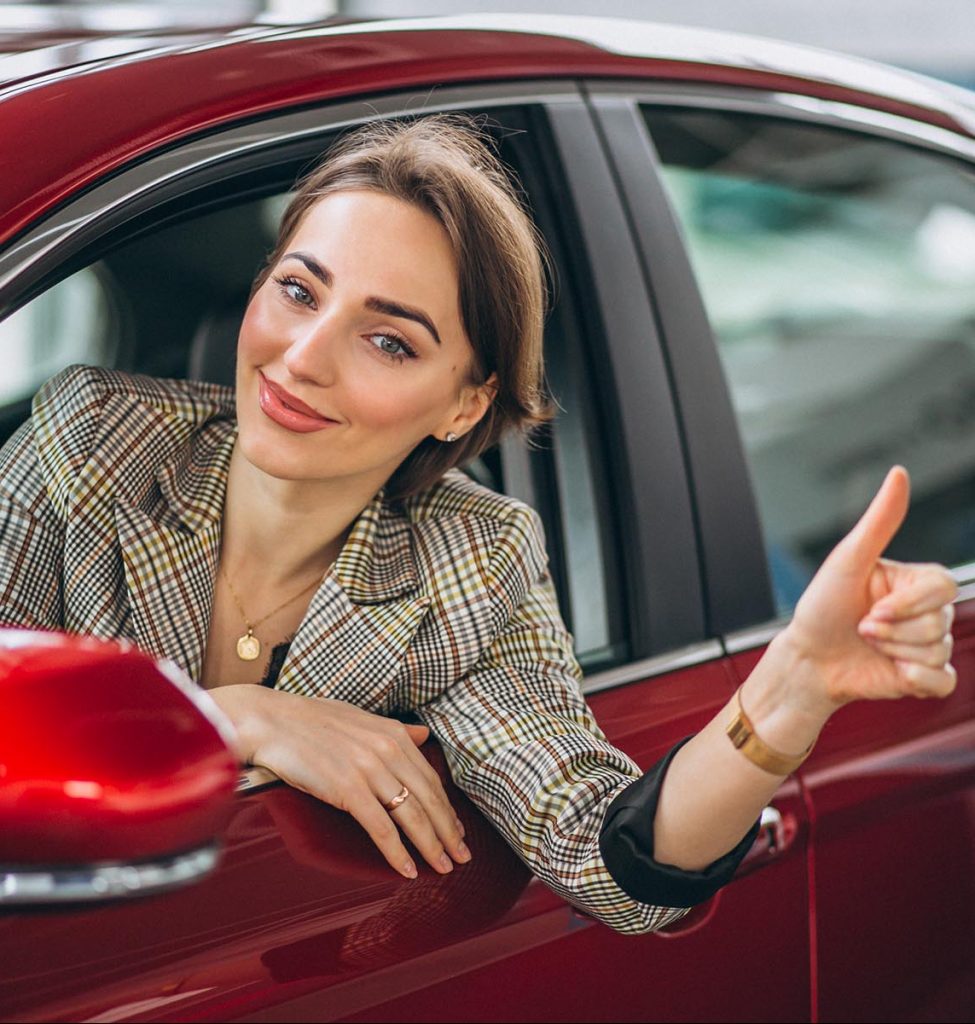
(255, 343)
(413, 405)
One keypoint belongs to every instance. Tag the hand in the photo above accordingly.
(355, 761)
(872, 628)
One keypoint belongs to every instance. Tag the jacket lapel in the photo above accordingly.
(359, 624)
(171, 553)
(354, 637)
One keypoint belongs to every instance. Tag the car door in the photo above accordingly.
(303, 920)
(832, 250)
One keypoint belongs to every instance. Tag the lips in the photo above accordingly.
(288, 411)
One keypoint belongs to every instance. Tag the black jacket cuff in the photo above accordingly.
(626, 842)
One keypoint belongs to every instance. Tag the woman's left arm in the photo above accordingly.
(865, 629)
(521, 741)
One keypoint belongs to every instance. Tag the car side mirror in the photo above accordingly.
(116, 771)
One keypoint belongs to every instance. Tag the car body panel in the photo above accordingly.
(891, 797)
(192, 89)
(304, 920)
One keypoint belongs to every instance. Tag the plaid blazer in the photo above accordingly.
(111, 498)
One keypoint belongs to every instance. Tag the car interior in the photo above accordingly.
(166, 296)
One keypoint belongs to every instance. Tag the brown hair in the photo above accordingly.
(443, 165)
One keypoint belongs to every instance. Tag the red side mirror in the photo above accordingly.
(116, 773)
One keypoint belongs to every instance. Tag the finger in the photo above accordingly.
(412, 815)
(412, 818)
(931, 588)
(438, 831)
(927, 682)
(436, 791)
(866, 542)
(395, 754)
(419, 734)
(935, 655)
(922, 629)
(365, 808)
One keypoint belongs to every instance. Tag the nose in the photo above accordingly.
(312, 354)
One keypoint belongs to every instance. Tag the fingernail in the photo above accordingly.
(868, 628)
(409, 869)
(446, 864)
(883, 612)
(463, 853)
(459, 825)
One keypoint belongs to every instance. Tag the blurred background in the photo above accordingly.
(936, 37)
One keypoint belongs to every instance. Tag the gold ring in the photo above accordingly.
(397, 800)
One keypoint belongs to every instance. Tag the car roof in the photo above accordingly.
(134, 92)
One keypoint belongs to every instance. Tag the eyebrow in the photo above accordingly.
(377, 305)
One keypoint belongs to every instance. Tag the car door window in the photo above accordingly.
(169, 301)
(838, 272)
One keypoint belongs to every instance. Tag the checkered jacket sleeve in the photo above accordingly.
(522, 743)
(31, 539)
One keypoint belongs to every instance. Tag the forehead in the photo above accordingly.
(347, 222)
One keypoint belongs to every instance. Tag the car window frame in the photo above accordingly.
(738, 593)
(659, 573)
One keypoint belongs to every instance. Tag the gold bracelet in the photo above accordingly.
(741, 732)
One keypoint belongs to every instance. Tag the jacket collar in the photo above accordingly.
(377, 562)
(195, 482)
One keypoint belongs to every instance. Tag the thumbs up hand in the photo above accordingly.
(876, 629)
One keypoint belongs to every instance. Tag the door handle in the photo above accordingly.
(771, 830)
(776, 833)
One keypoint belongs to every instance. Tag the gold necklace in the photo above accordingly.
(248, 645)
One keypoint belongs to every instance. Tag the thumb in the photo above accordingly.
(418, 733)
(866, 542)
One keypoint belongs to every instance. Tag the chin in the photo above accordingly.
(272, 456)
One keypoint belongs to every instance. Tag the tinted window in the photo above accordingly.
(838, 273)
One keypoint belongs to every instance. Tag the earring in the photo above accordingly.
(451, 436)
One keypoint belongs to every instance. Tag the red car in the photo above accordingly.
(766, 296)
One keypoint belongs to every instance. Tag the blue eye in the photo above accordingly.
(295, 291)
(392, 346)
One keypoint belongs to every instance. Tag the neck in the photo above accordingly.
(286, 530)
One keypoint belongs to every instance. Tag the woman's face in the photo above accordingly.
(353, 350)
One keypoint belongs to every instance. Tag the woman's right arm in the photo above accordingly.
(353, 760)
(32, 539)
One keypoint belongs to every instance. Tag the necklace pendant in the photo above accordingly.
(248, 647)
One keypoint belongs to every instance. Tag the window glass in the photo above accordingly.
(72, 322)
(588, 600)
(838, 272)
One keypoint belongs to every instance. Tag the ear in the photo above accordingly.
(474, 402)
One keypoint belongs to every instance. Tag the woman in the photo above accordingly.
(310, 532)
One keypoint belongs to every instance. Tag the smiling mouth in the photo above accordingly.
(287, 411)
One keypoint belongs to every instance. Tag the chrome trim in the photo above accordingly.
(966, 592)
(660, 664)
(123, 188)
(964, 573)
(754, 636)
(254, 777)
(21, 885)
(829, 113)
